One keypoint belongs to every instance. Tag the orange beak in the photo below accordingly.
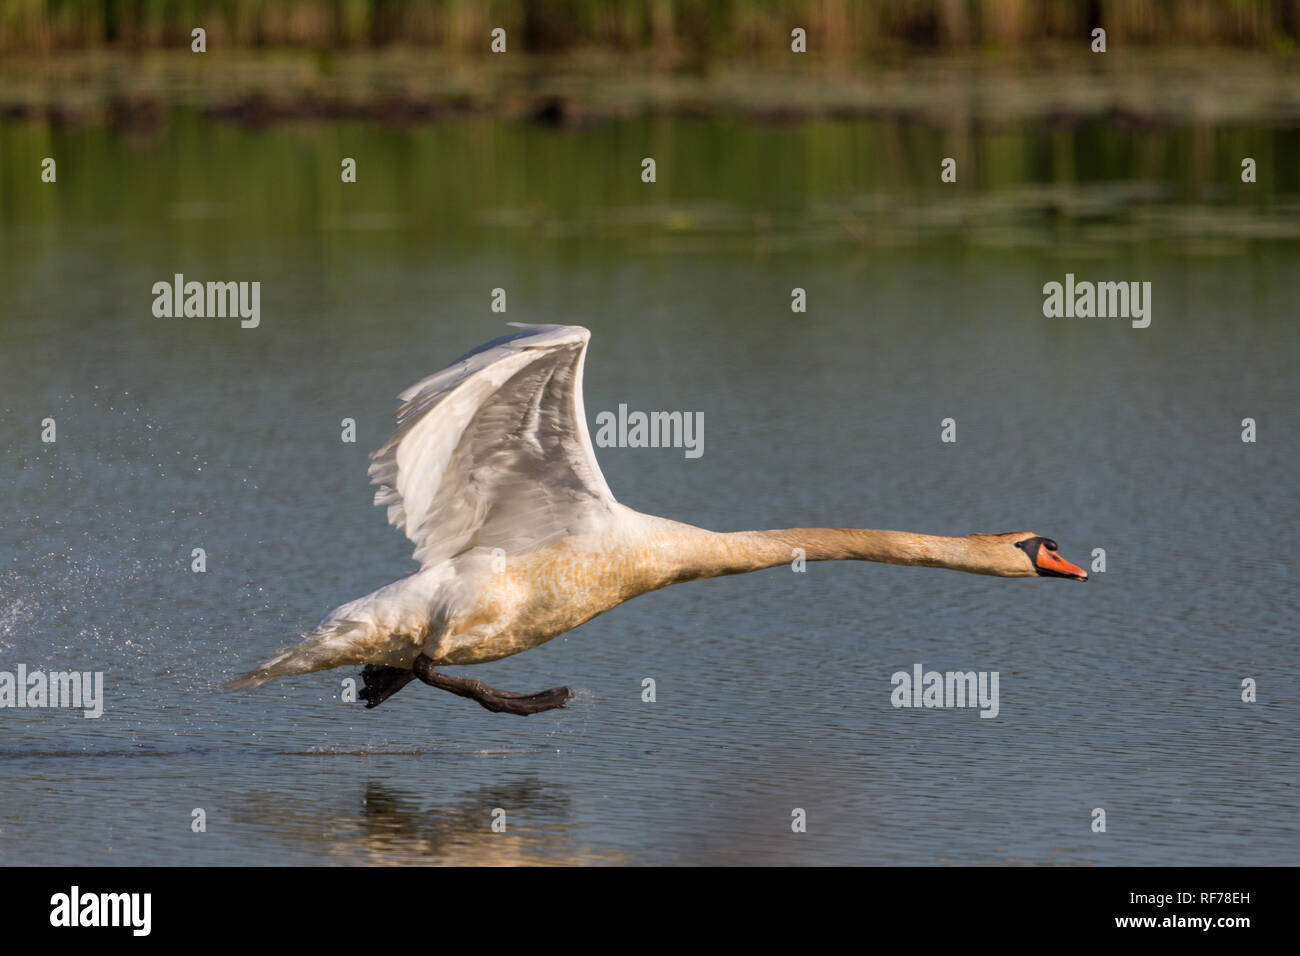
(1051, 564)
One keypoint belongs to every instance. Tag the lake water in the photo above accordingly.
(773, 689)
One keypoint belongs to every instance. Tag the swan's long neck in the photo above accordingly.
(710, 554)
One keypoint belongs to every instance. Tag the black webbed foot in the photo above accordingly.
(381, 683)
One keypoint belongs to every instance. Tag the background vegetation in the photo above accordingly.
(711, 27)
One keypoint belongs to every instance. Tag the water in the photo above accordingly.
(773, 689)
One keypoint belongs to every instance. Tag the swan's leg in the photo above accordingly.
(381, 683)
(499, 701)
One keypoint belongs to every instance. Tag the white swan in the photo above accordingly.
(491, 474)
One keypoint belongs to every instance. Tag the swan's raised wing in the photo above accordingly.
(493, 451)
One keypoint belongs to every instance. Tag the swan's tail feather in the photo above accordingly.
(319, 650)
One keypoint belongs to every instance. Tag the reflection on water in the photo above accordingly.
(773, 689)
(386, 824)
(399, 827)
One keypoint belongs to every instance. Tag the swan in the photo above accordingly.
(491, 474)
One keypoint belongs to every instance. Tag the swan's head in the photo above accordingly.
(1023, 554)
(1038, 556)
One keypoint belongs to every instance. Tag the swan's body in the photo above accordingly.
(492, 476)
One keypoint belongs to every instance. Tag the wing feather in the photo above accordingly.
(493, 451)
